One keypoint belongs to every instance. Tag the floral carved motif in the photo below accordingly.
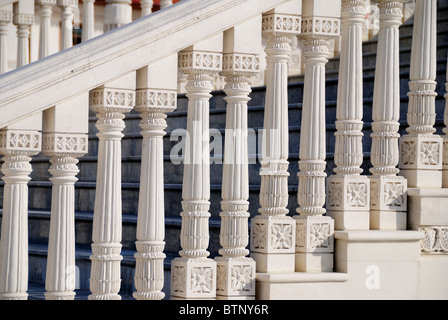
(408, 153)
(357, 194)
(393, 194)
(281, 236)
(201, 279)
(435, 239)
(259, 236)
(320, 235)
(429, 153)
(335, 197)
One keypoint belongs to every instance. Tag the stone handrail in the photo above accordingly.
(59, 77)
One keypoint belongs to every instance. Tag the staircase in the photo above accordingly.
(40, 186)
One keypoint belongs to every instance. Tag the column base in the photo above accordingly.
(346, 220)
(193, 278)
(314, 262)
(235, 276)
(427, 207)
(388, 220)
(273, 262)
(422, 178)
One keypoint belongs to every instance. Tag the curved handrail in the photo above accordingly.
(49, 81)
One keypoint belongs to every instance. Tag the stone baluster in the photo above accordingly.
(18, 142)
(387, 190)
(67, 8)
(235, 271)
(348, 192)
(23, 18)
(64, 140)
(88, 20)
(421, 155)
(5, 20)
(314, 242)
(117, 13)
(46, 9)
(445, 137)
(153, 103)
(165, 3)
(111, 102)
(193, 275)
(146, 7)
(272, 232)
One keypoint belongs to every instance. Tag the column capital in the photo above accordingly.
(246, 65)
(21, 142)
(47, 2)
(68, 3)
(112, 100)
(193, 62)
(283, 25)
(64, 144)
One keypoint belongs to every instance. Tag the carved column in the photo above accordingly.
(17, 146)
(117, 13)
(46, 9)
(193, 274)
(24, 19)
(88, 20)
(67, 7)
(314, 242)
(64, 149)
(5, 20)
(153, 104)
(420, 150)
(387, 190)
(272, 232)
(111, 104)
(236, 272)
(348, 191)
(146, 7)
(445, 137)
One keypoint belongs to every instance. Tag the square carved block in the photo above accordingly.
(193, 278)
(235, 276)
(272, 234)
(348, 193)
(388, 193)
(421, 152)
(314, 234)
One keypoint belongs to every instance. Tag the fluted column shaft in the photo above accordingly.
(17, 147)
(146, 7)
(5, 20)
(193, 274)
(111, 105)
(313, 255)
(117, 13)
(61, 268)
(46, 10)
(88, 20)
(236, 272)
(67, 22)
(420, 150)
(388, 197)
(272, 232)
(149, 274)
(23, 22)
(348, 192)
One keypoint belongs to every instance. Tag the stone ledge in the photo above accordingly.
(301, 277)
(379, 236)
